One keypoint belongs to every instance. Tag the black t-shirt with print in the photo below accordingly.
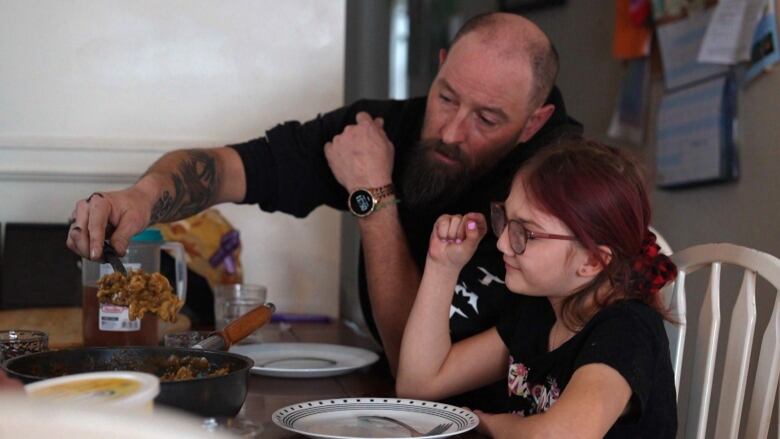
(627, 336)
(287, 171)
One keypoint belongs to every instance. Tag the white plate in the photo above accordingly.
(305, 360)
(356, 418)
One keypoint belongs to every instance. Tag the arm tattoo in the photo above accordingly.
(194, 188)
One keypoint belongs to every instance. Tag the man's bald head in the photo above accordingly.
(516, 36)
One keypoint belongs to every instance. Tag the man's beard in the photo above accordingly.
(429, 183)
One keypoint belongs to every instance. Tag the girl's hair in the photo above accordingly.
(599, 193)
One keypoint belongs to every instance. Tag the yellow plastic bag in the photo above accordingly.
(212, 244)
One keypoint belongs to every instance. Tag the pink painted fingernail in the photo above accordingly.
(458, 241)
(471, 225)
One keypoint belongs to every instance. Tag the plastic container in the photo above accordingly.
(126, 391)
(109, 325)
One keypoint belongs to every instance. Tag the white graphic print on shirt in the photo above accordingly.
(465, 297)
(489, 277)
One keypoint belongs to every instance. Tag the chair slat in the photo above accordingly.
(735, 372)
(676, 331)
(704, 357)
(767, 372)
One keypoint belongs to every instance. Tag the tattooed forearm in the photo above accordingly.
(162, 208)
(195, 186)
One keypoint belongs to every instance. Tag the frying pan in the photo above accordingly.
(214, 396)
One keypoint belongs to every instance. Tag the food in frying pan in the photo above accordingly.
(188, 367)
(141, 293)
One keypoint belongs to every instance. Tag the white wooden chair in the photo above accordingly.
(740, 340)
(671, 302)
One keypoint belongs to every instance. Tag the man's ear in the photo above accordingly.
(442, 56)
(536, 121)
(595, 264)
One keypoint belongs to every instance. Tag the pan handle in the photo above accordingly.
(248, 323)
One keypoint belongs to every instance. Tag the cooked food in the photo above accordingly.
(141, 293)
(186, 368)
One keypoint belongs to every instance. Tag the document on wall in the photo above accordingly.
(679, 42)
(730, 31)
(695, 135)
(764, 53)
(629, 116)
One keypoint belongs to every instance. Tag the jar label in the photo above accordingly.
(116, 318)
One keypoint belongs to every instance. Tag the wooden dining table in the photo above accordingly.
(267, 394)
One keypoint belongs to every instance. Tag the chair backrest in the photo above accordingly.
(38, 270)
(675, 302)
(740, 340)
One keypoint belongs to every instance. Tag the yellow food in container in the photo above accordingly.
(128, 391)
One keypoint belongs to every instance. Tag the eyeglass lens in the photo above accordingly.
(517, 233)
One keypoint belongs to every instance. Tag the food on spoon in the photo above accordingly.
(141, 293)
(188, 367)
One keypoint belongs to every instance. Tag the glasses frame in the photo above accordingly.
(518, 234)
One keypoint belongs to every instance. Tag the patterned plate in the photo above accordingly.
(374, 418)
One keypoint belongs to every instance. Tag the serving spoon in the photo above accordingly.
(111, 256)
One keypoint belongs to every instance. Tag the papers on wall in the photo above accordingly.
(628, 119)
(666, 10)
(679, 43)
(695, 134)
(764, 51)
(730, 31)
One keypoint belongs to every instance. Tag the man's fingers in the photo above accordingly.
(120, 239)
(380, 122)
(363, 117)
(99, 209)
(78, 236)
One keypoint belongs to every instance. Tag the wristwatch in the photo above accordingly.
(362, 202)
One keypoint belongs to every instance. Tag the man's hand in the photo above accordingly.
(178, 185)
(455, 238)
(362, 155)
(114, 215)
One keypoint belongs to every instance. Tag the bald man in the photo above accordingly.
(396, 165)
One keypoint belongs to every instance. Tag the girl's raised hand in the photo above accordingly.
(455, 238)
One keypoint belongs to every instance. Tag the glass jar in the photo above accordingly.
(108, 324)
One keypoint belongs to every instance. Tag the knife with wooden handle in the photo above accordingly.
(238, 329)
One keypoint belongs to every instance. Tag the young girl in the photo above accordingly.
(583, 335)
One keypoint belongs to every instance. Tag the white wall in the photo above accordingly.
(92, 92)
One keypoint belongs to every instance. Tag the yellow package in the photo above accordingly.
(212, 244)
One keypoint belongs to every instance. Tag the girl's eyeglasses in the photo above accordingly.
(518, 235)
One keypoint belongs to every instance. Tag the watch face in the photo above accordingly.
(361, 203)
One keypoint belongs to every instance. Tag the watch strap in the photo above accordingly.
(382, 192)
(386, 203)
